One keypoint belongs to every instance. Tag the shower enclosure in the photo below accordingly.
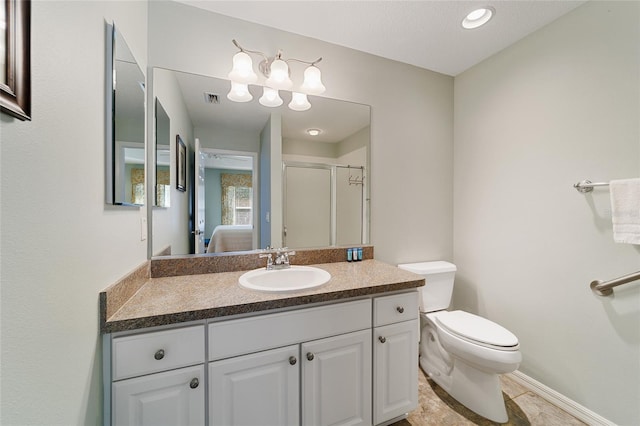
(324, 205)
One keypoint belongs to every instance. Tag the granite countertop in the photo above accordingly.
(176, 299)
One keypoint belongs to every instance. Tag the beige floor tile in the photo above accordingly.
(437, 408)
(543, 413)
(511, 388)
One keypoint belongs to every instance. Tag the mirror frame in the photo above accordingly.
(15, 91)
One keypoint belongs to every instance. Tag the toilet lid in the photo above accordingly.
(477, 329)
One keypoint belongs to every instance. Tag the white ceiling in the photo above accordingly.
(424, 33)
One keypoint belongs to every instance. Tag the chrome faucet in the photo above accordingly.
(281, 260)
(269, 257)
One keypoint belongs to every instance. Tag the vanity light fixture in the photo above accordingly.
(278, 77)
(270, 98)
(299, 102)
(239, 92)
(478, 17)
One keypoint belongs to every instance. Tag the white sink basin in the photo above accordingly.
(281, 280)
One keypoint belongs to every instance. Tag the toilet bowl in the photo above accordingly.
(462, 352)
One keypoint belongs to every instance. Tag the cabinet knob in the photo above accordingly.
(400, 309)
(382, 339)
(194, 383)
(159, 354)
(310, 356)
(292, 360)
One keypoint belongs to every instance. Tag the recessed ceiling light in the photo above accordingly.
(314, 132)
(478, 17)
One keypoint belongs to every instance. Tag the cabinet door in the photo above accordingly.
(171, 398)
(336, 380)
(257, 389)
(395, 353)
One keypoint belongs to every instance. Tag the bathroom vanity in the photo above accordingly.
(200, 349)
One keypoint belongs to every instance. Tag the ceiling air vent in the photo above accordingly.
(211, 98)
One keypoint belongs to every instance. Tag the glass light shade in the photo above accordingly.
(299, 102)
(279, 76)
(239, 92)
(312, 84)
(242, 71)
(270, 98)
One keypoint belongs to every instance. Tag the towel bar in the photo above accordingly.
(601, 288)
(585, 186)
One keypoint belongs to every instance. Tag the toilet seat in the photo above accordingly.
(477, 330)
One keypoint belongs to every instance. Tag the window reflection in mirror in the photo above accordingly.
(271, 136)
(125, 114)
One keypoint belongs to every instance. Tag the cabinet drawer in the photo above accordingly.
(157, 351)
(247, 335)
(396, 308)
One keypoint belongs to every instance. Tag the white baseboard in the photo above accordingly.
(576, 410)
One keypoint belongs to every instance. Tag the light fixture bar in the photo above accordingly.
(242, 49)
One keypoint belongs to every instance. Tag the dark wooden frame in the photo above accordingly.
(15, 93)
(181, 164)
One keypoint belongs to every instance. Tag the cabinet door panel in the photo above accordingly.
(170, 398)
(395, 351)
(260, 389)
(336, 381)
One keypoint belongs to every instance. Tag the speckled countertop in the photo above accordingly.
(175, 299)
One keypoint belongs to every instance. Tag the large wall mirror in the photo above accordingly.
(261, 176)
(125, 136)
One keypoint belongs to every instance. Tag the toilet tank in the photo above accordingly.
(435, 295)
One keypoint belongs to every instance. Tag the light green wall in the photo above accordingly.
(60, 245)
(560, 106)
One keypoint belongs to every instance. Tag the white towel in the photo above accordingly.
(625, 210)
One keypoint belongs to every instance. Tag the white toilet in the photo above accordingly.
(463, 353)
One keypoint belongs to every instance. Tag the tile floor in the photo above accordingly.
(437, 408)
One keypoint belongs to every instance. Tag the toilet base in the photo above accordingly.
(477, 390)
(471, 385)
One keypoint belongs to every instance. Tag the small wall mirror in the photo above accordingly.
(125, 182)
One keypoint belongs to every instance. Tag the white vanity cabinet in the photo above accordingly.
(350, 362)
(158, 378)
(396, 335)
(321, 377)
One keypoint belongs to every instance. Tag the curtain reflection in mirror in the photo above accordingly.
(236, 199)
